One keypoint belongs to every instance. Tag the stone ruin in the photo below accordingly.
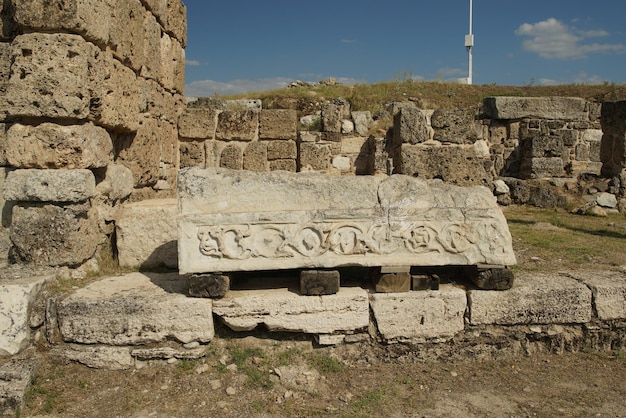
(95, 129)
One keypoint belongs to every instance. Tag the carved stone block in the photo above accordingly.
(319, 282)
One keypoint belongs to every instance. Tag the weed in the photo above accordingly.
(185, 366)
(369, 401)
(327, 364)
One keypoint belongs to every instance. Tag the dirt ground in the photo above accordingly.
(257, 377)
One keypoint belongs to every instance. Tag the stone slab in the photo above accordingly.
(568, 108)
(96, 357)
(235, 220)
(15, 379)
(533, 299)
(135, 309)
(283, 310)
(18, 290)
(420, 316)
(35, 185)
(147, 234)
(609, 292)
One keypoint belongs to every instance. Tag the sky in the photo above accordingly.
(237, 46)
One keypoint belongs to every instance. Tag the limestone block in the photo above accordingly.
(582, 152)
(159, 103)
(319, 282)
(151, 67)
(240, 125)
(147, 234)
(354, 145)
(566, 108)
(240, 220)
(192, 154)
(117, 184)
(177, 20)
(609, 292)
(53, 235)
(49, 185)
(16, 298)
(44, 82)
(456, 126)
(16, 377)
(533, 299)
(543, 146)
(308, 136)
(283, 310)
(542, 167)
(126, 39)
(5, 61)
(255, 156)
(342, 163)
(3, 144)
(314, 157)
(232, 157)
(197, 123)
(410, 126)
(89, 18)
(158, 9)
(50, 145)
(592, 135)
(362, 121)
(284, 165)
(172, 64)
(278, 124)
(95, 357)
(607, 200)
(279, 150)
(419, 316)
(135, 309)
(456, 164)
(347, 126)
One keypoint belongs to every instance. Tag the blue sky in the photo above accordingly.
(240, 46)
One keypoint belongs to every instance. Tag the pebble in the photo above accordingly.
(215, 384)
(231, 391)
(202, 369)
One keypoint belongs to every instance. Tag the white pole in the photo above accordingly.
(469, 43)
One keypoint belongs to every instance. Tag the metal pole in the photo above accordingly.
(469, 44)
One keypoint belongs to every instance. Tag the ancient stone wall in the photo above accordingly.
(91, 93)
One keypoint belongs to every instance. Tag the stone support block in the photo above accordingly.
(53, 235)
(238, 125)
(197, 123)
(50, 145)
(278, 124)
(255, 156)
(232, 157)
(564, 108)
(147, 234)
(410, 126)
(16, 298)
(314, 157)
(135, 309)
(420, 316)
(319, 282)
(281, 150)
(393, 282)
(609, 292)
(283, 310)
(209, 285)
(50, 185)
(534, 299)
(192, 153)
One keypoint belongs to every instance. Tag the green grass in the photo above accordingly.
(326, 364)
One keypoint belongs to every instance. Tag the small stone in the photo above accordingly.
(231, 391)
(202, 369)
(215, 384)
(172, 360)
(191, 345)
(231, 367)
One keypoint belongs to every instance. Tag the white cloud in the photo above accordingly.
(580, 78)
(553, 39)
(348, 41)
(193, 63)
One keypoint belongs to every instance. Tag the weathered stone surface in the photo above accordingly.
(255, 156)
(543, 146)
(609, 292)
(5, 60)
(534, 299)
(282, 310)
(537, 168)
(147, 234)
(241, 125)
(420, 316)
(177, 20)
(240, 220)
(280, 150)
(208, 285)
(166, 353)
(456, 164)
(50, 145)
(333, 115)
(197, 123)
(410, 126)
(3, 143)
(96, 357)
(319, 282)
(314, 157)
(15, 379)
(50, 185)
(117, 184)
(567, 108)
(192, 154)
(53, 235)
(607, 200)
(455, 126)
(126, 40)
(284, 165)
(393, 282)
(44, 82)
(16, 299)
(232, 157)
(172, 64)
(135, 309)
(362, 121)
(278, 124)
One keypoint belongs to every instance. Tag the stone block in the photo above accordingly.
(158, 9)
(127, 33)
(362, 121)
(44, 83)
(542, 167)
(283, 165)
(456, 164)
(239, 125)
(456, 126)
(319, 282)
(159, 103)
(354, 145)
(280, 150)
(95, 357)
(117, 184)
(241, 220)
(135, 309)
(177, 20)
(255, 156)
(543, 146)
(53, 235)
(582, 152)
(283, 310)
(410, 126)
(192, 154)
(420, 316)
(147, 234)
(232, 157)
(16, 377)
(209, 285)
(16, 299)
(314, 157)
(49, 185)
(197, 123)
(609, 292)
(534, 299)
(172, 64)
(89, 18)
(308, 136)
(5, 62)
(3, 144)
(278, 124)
(151, 66)
(49, 145)
(565, 108)
(333, 115)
